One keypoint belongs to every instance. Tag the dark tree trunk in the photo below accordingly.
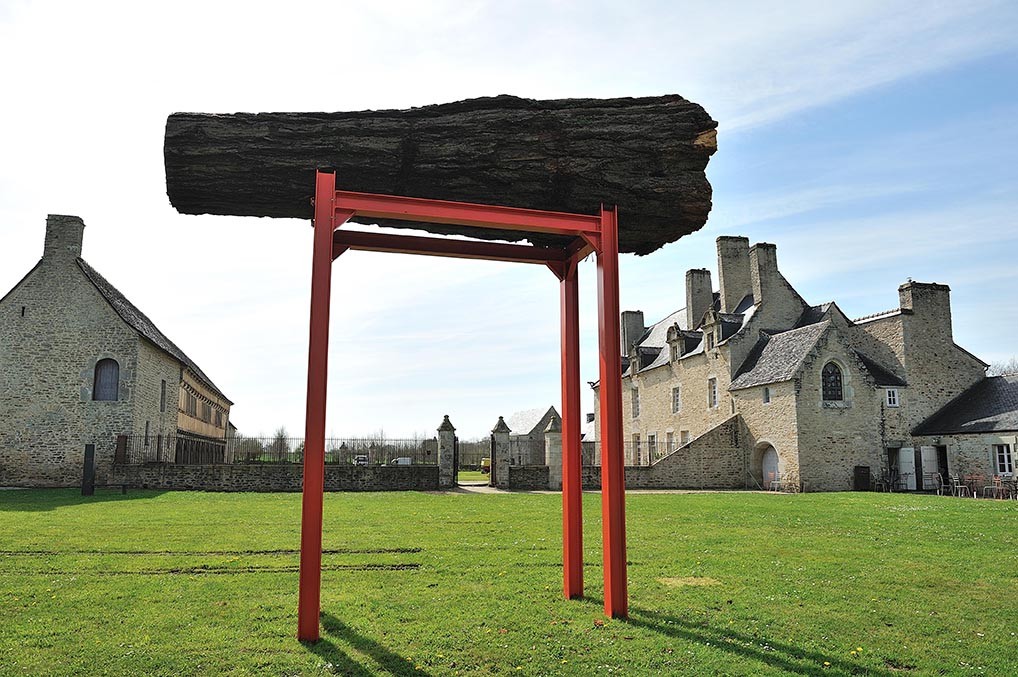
(646, 155)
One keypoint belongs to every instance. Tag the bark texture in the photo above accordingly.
(646, 155)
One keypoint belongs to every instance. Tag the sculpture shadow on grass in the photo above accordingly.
(788, 658)
(41, 500)
(344, 664)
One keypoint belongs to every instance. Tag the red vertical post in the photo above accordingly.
(613, 498)
(572, 481)
(310, 586)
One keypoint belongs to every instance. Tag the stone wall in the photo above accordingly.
(54, 327)
(971, 454)
(528, 477)
(770, 424)
(834, 437)
(154, 368)
(284, 477)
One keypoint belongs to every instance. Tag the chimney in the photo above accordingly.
(733, 271)
(632, 329)
(63, 237)
(699, 296)
(930, 303)
(763, 264)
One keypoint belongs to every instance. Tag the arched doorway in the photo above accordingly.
(769, 466)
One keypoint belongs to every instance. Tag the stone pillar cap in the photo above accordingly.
(501, 426)
(446, 425)
(554, 425)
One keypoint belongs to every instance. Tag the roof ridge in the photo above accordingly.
(141, 323)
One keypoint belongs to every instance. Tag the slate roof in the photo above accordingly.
(990, 406)
(140, 323)
(777, 357)
(524, 422)
(880, 374)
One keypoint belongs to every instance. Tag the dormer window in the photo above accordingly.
(833, 385)
(710, 340)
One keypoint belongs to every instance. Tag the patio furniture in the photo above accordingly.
(957, 487)
(995, 489)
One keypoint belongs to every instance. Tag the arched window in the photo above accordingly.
(106, 387)
(833, 388)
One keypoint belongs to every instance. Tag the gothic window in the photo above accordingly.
(833, 388)
(106, 386)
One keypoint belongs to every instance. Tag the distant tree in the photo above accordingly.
(249, 449)
(280, 444)
(1003, 367)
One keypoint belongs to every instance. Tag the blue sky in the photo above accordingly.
(870, 142)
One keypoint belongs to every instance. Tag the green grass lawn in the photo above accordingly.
(414, 583)
(472, 476)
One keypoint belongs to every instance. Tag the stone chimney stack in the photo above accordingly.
(930, 304)
(763, 265)
(63, 237)
(733, 271)
(699, 296)
(632, 329)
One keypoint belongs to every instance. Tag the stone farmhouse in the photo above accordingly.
(80, 364)
(527, 436)
(758, 388)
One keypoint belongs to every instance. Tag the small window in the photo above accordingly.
(162, 396)
(676, 399)
(636, 445)
(636, 402)
(766, 395)
(146, 433)
(106, 386)
(833, 386)
(219, 419)
(675, 352)
(710, 340)
(683, 437)
(669, 442)
(206, 412)
(892, 397)
(22, 311)
(712, 393)
(652, 445)
(1003, 460)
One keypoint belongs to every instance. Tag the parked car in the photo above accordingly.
(360, 459)
(486, 465)
(401, 460)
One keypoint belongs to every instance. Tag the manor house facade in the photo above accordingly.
(815, 400)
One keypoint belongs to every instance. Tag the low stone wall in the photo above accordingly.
(284, 477)
(715, 460)
(528, 477)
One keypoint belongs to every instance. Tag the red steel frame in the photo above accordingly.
(598, 234)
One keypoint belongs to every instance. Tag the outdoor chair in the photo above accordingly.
(995, 489)
(975, 483)
(882, 483)
(957, 487)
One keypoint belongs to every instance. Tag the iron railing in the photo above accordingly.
(191, 450)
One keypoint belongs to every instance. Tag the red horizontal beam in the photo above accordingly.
(438, 246)
(465, 214)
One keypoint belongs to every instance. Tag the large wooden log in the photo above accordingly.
(646, 155)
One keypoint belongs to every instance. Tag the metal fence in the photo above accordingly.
(190, 450)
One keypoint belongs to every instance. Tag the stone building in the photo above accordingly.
(80, 364)
(809, 399)
(527, 437)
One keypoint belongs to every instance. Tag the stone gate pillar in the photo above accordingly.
(553, 453)
(446, 449)
(500, 436)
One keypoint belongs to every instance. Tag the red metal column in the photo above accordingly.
(613, 498)
(309, 604)
(572, 483)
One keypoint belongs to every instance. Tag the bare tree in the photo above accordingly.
(1003, 367)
